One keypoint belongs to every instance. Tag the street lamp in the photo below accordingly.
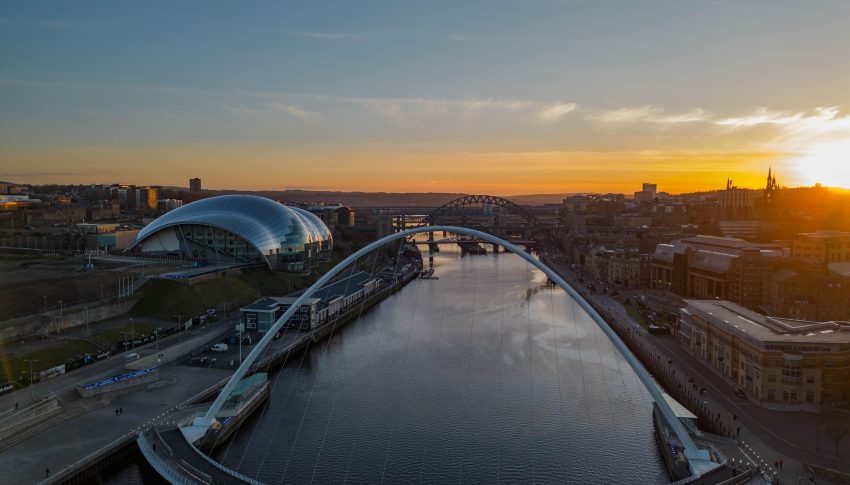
(31, 378)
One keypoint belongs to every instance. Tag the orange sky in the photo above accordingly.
(412, 170)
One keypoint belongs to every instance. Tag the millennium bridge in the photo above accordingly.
(174, 450)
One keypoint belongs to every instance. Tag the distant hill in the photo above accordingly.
(390, 199)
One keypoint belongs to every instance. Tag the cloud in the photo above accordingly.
(326, 36)
(556, 111)
(795, 130)
(762, 116)
(648, 114)
(295, 111)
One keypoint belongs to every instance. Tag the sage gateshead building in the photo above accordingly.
(232, 229)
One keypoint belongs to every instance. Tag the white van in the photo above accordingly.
(219, 348)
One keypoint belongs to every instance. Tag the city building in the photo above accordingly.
(333, 214)
(618, 266)
(737, 216)
(824, 246)
(239, 229)
(773, 359)
(195, 185)
(648, 193)
(809, 290)
(328, 302)
(715, 267)
(148, 197)
(166, 205)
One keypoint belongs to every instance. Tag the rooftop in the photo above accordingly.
(823, 234)
(754, 326)
(342, 288)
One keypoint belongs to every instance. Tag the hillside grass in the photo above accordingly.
(166, 299)
(63, 350)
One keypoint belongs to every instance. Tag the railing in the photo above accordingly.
(224, 469)
(164, 466)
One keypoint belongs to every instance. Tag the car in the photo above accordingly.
(219, 348)
(132, 356)
(740, 393)
(657, 329)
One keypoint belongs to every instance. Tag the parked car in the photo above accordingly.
(219, 348)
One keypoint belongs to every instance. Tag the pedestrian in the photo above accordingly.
(46, 472)
(781, 464)
(116, 411)
(776, 464)
(121, 411)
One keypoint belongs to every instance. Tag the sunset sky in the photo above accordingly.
(509, 97)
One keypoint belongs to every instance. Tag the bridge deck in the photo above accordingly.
(180, 462)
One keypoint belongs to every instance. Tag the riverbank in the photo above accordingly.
(756, 429)
(90, 466)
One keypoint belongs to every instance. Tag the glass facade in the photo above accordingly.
(242, 228)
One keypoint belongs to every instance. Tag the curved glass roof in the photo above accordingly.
(317, 229)
(266, 224)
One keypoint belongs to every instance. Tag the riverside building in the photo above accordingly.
(772, 359)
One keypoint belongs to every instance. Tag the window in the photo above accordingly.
(791, 371)
(810, 396)
(810, 379)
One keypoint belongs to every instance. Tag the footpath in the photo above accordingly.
(777, 442)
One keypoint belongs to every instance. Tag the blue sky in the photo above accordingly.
(385, 88)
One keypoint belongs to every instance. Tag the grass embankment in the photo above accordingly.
(636, 314)
(61, 351)
(167, 299)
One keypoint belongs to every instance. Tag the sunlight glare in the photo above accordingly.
(826, 163)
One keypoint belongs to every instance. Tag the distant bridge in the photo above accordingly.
(495, 215)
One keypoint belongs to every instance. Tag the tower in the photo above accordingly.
(771, 190)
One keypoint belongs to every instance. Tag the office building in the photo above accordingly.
(772, 359)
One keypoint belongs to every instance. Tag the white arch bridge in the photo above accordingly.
(174, 469)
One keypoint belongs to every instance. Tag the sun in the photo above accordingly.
(827, 163)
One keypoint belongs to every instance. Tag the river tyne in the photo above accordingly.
(485, 375)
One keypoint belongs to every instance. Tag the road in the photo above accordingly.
(107, 367)
(766, 436)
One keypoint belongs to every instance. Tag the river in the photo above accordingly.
(484, 375)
